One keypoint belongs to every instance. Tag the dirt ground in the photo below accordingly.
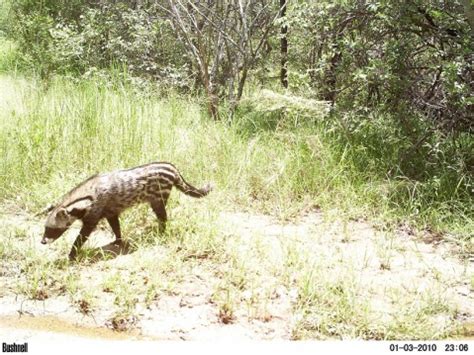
(381, 262)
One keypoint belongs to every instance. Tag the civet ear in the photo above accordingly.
(47, 209)
(79, 208)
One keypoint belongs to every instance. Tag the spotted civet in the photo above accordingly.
(107, 195)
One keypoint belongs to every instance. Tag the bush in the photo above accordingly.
(82, 36)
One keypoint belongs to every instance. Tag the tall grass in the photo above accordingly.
(65, 131)
(285, 161)
(55, 134)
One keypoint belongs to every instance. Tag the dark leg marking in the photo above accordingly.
(159, 207)
(86, 230)
(115, 224)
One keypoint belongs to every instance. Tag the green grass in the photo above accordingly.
(55, 134)
(10, 57)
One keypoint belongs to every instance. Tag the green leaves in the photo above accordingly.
(387, 55)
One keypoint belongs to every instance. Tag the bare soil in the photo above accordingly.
(266, 311)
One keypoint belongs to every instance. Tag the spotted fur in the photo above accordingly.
(107, 195)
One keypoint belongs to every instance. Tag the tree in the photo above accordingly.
(284, 45)
(225, 40)
(411, 56)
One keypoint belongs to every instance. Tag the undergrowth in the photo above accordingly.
(280, 161)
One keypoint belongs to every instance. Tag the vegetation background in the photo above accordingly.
(359, 108)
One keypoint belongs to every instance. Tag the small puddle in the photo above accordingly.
(467, 331)
(57, 325)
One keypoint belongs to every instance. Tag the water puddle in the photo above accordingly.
(59, 326)
(467, 331)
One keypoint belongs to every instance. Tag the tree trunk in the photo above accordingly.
(331, 78)
(212, 100)
(243, 78)
(284, 46)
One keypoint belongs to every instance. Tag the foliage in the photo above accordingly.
(82, 37)
(413, 57)
(397, 77)
(376, 125)
(364, 161)
(285, 161)
(407, 58)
